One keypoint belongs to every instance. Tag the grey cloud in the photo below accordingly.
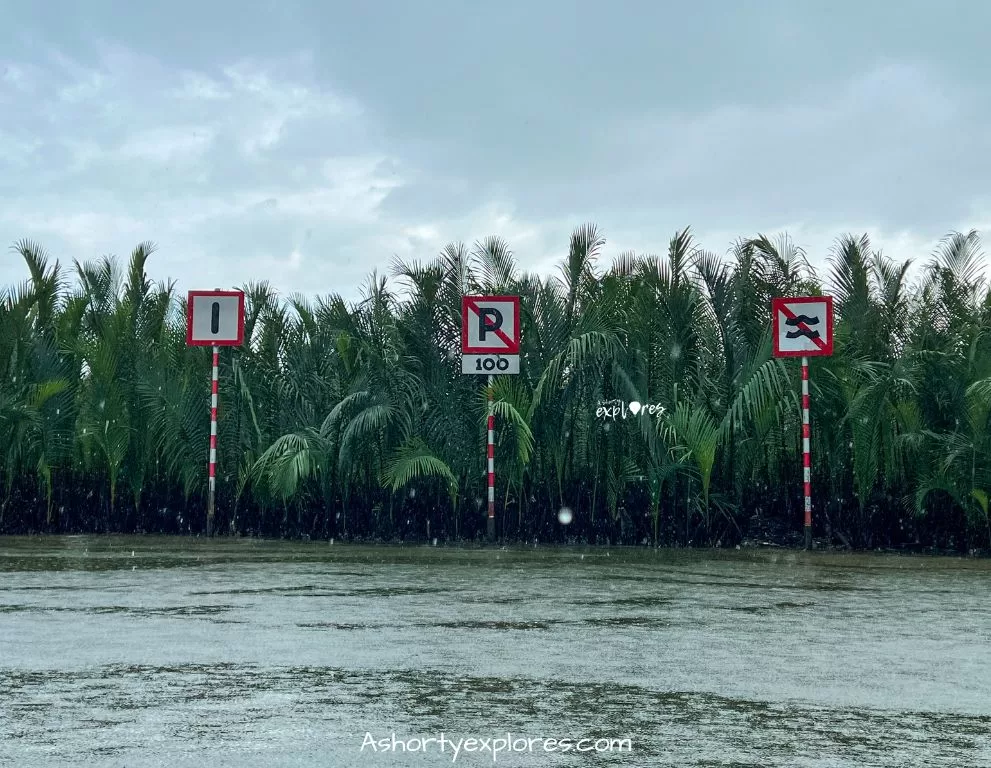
(867, 147)
(307, 144)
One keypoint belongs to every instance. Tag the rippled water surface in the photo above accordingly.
(177, 652)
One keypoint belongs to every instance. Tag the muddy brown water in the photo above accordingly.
(172, 652)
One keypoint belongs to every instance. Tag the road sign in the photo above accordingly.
(803, 326)
(490, 325)
(490, 344)
(215, 318)
(490, 334)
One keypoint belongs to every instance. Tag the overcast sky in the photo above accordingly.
(309, 143)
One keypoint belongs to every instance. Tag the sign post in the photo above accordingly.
(214, 319)
(490, 344)
(803, 327)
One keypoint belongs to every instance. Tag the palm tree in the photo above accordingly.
(351, 419)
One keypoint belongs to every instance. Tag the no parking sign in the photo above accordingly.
(490, 334)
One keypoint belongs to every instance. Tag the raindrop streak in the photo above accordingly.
(565, 516)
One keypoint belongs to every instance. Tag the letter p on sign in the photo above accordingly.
(490, 325)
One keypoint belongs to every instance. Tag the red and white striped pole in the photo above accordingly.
(491, 455)
(806, 453)
(211, 500)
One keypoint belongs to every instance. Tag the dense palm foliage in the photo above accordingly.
(353, 419)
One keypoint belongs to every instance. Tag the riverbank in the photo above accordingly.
(105, 550)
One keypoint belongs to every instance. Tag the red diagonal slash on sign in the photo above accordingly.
(500, 334)
(791, 316)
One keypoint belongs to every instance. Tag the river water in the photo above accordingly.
(186, 652)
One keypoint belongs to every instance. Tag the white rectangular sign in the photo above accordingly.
(490, 364)
(215, 317)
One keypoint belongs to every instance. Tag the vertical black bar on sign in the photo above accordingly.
(215, 318)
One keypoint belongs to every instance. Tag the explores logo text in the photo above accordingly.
(610, 410)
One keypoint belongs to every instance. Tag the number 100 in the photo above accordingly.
(491, 364)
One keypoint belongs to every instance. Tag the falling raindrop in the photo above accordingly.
(412, 493)
(565, 516)
(675, 351)
(102, 404)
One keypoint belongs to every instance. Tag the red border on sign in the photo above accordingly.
(780, 304)
(513, 348)
(240, 319)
